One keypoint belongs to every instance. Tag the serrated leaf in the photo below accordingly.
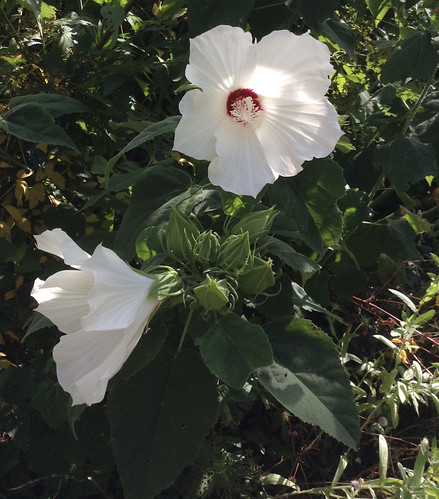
(159, 419)
(30, 121)
(233, 348)
(51, 401)
(394, 237)
(416, 58)
(308, 379)
(310, 199)
(406, 161)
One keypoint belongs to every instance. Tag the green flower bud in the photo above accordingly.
(256, 277)
(181, 234)
(212, 294)
(206, 247)
(257, 224)
(167, 283)
(234, 251)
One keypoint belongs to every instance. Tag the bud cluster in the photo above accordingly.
(217, 268)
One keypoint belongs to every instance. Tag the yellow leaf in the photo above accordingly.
(40, 175)
(5, 231)
(42, 147)
(9, 294)
(19, 282)
(57, 179)
(36, 195)
(21, 221)
(24, 173)
(11, 334)
(3, 164)
(21, 190)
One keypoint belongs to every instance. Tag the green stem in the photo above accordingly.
(186, 327)
(418, 103)
(375, 188)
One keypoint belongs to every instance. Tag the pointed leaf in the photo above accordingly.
(291, 257)
(56, 105)
(148, 133)
(155, 188)
(233, 348)
(309, 380)
(310, 199)
(406, 161)
(30, 121)
(159, 419)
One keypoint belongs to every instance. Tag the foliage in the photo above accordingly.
(280, 325)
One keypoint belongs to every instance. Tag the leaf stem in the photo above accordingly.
(418, 103)
(186, 327)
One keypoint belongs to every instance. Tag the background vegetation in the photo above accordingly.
(79, 80)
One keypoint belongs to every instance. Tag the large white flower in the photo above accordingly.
(102, 307)
(261, 111)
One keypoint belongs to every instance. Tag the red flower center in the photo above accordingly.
(244, 107)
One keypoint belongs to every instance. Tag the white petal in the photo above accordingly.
(63, 298)
(58, 243)
(291, 66)
(117, 294)
(293, 133)
(203, 113)
(241, 166)
(223, 58)
(86, 360)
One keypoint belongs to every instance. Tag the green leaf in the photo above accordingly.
(394, 237)
(51, 401)
(233, 348)
(291, 257)
(30, 121)
(340, 33)
(406, 161)
(157, 186)
(302, 300)
(159, 419)
(56, 105)
(206, 14)
(151, 131)
(309, 380)
(313, 11)
(310, 199)
(416, 58)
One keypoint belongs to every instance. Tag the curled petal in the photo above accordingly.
(117, 294)
(241, 166)
(58, 243)
(86, 360)
(222, 58)
(63, 298)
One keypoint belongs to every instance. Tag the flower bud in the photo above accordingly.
(257, 224)
(181, 234)
(212, 294)
(206, 247)
(165, 284)
(256, 277)
(234, 251)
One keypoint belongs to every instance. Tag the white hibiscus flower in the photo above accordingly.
(261, 111)
(103, 309)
